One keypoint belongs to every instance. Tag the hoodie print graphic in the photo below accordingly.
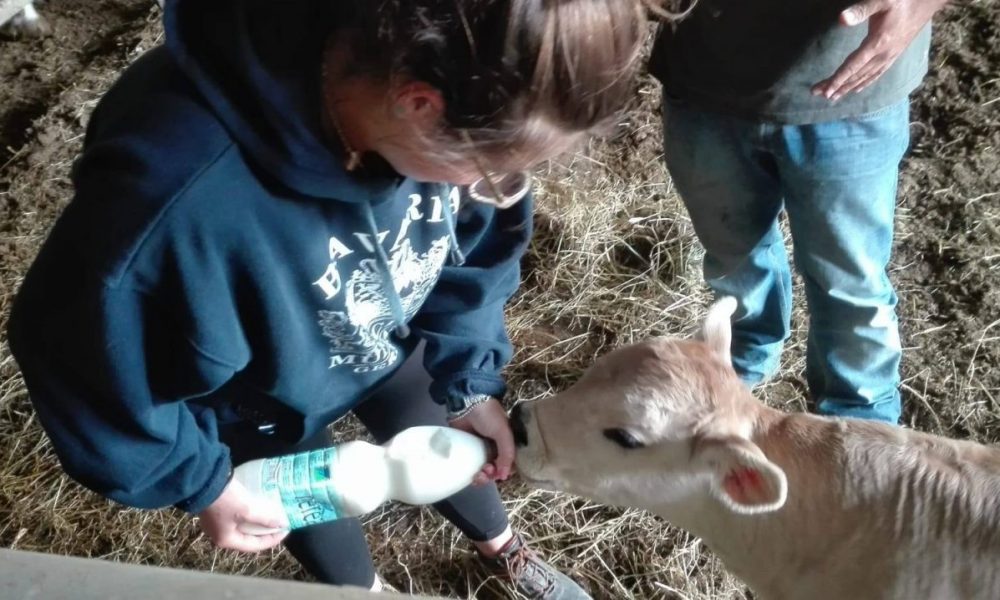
(360, 334)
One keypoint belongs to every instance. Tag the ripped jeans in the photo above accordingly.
(836, 181)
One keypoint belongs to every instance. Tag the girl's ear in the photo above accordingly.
(418, 103)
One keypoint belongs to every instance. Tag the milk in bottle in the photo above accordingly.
(420, 465)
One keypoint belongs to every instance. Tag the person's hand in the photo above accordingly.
(236, 507)
(489, 420)
(892, 25)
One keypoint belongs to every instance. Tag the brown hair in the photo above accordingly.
(516, 75)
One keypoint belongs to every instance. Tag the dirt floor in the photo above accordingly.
(614, 260)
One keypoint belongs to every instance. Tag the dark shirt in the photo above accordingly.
(759, 59)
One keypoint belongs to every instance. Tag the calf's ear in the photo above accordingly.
(717, 331)
(742, 478)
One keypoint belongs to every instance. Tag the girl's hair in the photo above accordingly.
(516, 75)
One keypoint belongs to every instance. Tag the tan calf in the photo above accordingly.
(798, 506)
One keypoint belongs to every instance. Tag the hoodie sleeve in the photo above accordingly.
(462, 321)
(109, 360)
(112, 406)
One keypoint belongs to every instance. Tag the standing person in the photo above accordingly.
(267, 234)
(775, 104)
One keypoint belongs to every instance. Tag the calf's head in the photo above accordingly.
(660, 425)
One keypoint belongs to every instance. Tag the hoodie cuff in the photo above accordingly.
(454, 391)
(471, 404)
(211, 491)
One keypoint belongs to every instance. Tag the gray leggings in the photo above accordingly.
(337, 552)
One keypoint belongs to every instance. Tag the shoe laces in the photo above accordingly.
(519, 560)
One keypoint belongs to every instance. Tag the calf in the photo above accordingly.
(798, 506)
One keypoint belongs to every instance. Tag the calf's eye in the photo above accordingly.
(623, 438)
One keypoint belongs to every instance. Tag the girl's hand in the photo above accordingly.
(223, 520)
(489, 420)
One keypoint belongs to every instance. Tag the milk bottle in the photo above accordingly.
(420, 465)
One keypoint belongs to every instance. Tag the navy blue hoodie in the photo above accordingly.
(217, 256)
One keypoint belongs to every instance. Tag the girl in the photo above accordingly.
(267, 234)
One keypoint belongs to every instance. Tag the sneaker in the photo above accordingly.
(531, 577)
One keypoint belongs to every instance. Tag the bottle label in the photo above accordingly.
(303, 482)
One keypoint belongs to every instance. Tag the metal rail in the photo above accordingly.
(34, 576)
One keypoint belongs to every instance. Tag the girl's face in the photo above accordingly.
(422, 160)
(411, 145)
(402, 132)
(402, 122)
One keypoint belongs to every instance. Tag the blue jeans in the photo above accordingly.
(836, 182)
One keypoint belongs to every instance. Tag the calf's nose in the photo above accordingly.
(517, 425)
